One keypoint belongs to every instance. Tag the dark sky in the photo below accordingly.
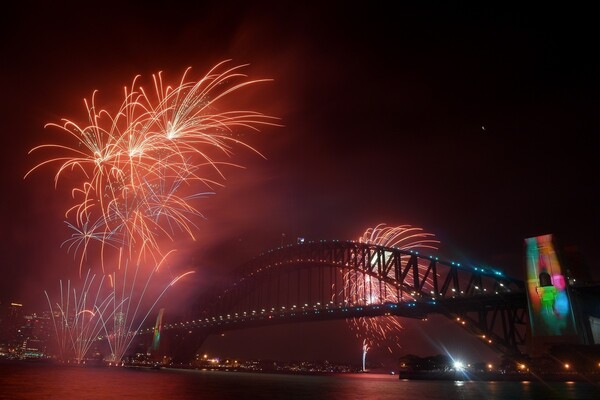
(473, 122)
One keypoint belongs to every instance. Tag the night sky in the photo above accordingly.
(472, 122)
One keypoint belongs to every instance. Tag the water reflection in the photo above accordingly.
(35, 381)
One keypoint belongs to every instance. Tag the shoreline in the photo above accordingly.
(499, 376)
(426, 375)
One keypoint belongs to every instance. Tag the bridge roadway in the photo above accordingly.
(332, 280)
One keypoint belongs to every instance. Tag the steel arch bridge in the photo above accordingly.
(330, 280)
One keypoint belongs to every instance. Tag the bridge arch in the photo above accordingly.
(328, 280)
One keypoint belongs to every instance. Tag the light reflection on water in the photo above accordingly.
(22, 381)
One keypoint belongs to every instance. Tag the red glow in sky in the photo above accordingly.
(473, 123)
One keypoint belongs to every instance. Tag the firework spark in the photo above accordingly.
(78, 317)
(140, 167)
(141, 170)
(365, 349)
(129, 310)
(384, 330)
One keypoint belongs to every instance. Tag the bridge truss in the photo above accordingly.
(343, 279)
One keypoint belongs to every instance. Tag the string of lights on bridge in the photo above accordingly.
(342, 310)
(264, 314)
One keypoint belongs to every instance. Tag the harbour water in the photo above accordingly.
(31, 381)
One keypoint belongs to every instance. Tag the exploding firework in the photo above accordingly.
(78, 317)
(141, 170)
(141, 166)
(128, 307)
(378, 331)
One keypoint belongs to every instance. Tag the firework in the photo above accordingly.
(383, 330)
(141, 170)
(129, 310)
(78, 317)
(143, 167)
(365, 349)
